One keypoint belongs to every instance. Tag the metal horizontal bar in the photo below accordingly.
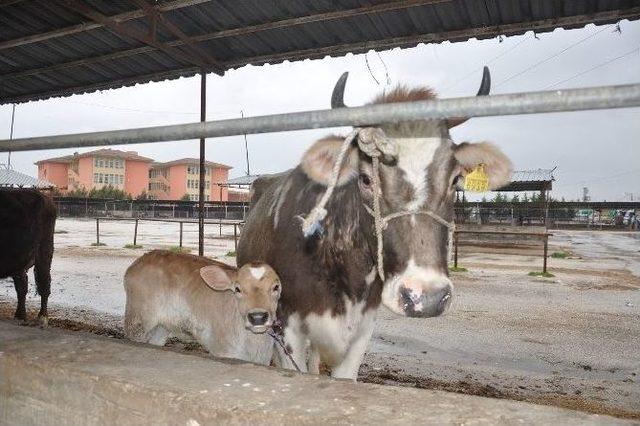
(483, 106)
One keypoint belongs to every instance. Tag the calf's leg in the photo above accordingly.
(158, 335)
(20, 282)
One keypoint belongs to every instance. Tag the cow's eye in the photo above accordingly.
(365, 179)
(456, 180)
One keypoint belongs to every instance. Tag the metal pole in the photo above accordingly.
(544, 260)
(203, 118)
(180, 234)
(246, 150)
(455, 249)
(97, 231)
(235, 237)
(13, 116)
(135, 234)
(623, 96)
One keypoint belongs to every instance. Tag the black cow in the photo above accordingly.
(27, 223)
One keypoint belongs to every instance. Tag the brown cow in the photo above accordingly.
(225, 309)
(331, 290)
(27, 223)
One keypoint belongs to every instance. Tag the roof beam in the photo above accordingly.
(130, 32)
(155, 15)
(74, 29)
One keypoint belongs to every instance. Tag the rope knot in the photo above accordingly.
(375, 143)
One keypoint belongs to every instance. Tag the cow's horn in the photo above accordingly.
(485, 88)
(337, 97)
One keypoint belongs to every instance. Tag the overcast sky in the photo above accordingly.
(597, 149)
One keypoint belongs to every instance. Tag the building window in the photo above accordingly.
(95, 161)
(121, 180)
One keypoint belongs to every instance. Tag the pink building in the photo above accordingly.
(125, 170)
(175, 179)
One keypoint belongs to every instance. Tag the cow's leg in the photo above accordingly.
(20, 282)
(42, 266)
(350, 364)
(313, 364)
(42, 273)
(158, 335)
(295, 343)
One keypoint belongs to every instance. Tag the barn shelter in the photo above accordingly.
(50, 49)
(10, 178)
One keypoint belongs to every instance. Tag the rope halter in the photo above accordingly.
(373, 142)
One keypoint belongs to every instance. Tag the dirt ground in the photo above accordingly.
(570, 341)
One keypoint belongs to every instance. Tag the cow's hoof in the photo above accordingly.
(44, 321)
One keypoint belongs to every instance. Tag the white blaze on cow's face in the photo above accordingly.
(256, 287)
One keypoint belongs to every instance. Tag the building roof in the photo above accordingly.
(14, 179)
(246, 180)
(530, 180)
(190, 161)
(110, 153)
(59, 48)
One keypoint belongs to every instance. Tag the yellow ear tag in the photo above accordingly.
(477, 180)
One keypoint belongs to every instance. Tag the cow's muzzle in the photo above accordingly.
(418, 295)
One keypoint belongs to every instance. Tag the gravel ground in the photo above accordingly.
(570, 341)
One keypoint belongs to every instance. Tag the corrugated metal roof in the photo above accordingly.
(14, 179)
(537, 175)
(59, 48)
(242, 180)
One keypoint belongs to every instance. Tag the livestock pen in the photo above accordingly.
(141, 41)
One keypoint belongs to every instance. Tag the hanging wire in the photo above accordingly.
(555, 55)
(581, 73)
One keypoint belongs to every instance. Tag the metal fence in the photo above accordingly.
(620, 218)
(149, 209)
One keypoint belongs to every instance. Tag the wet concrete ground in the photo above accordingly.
(570, 341)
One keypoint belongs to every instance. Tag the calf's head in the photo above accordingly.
(422, 174)
(256, 287)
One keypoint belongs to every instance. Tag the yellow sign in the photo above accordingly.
(477, 180)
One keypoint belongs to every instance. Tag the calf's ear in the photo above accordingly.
(319, 160)
(217, 278)
(497, 165)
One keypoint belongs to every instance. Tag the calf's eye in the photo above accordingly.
(276, 288)
(365, 179)
(456, 180)
(236, 289)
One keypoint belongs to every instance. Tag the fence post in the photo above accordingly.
(544, 261)
(455, 250)
(135, 234)
(180, 234)
(97, 231)
(235, 237)
(220, 227)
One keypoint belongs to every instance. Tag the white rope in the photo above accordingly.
(311, 223)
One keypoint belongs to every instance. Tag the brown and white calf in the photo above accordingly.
(331, 291)
(227, 310)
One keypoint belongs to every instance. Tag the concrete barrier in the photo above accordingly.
(54, 377)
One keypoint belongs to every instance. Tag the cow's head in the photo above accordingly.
(422, 176)
(257, 289)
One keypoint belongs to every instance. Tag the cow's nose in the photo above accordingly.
(258, 318)
(425, 303)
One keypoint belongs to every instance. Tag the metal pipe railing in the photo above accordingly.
(623, 96)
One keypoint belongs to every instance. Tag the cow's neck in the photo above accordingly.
(347, 247)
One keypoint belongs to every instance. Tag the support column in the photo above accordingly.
(203, 117)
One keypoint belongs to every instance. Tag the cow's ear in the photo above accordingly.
(217, 278)
(496, 164)
(319, 160)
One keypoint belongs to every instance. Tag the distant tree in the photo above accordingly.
(535, 197)
(525, 198)
(515, 198)
(109, 192)
(185, 197)
(499, 198)
(143, 196)
(484, 199)
(78, 193)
